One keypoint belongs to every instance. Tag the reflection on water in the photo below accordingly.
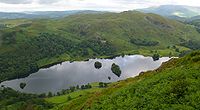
(67, 74)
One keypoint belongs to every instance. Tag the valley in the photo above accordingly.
(100, 60)
(44, 42)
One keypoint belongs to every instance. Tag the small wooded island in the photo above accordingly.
(97, 65)
(116, 69)
(156, 57)
(22, 85)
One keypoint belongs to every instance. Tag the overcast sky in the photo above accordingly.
(104, 5)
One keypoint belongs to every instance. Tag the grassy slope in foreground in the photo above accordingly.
(175, 85)
(23, 49)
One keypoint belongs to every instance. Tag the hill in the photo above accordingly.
(174, 10)
(175, 85)
(27, 45)
(42, 14)
(193, 18)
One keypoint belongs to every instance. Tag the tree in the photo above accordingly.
(105, 85)
(50, 94)
(63, 91)
(89, 86)
(101, 85)
(72, 88)
(77, 87)
(170, 54)
(58, 93)
(69, 98)
(22, 85)
(86, 86)
(82, 86)
(143, 42)
(116, 69)
(43, 95)
(97, 65)
(156, 57)
(177, 50)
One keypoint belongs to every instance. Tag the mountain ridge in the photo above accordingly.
(173, 10)
(43, 14)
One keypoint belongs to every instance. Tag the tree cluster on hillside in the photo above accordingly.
(194, 45)
(73, 89)
(144, 42)
(102, 84)
(196, 23)
(99, 47)
(9, 38)
(13, 100)
(23, 60)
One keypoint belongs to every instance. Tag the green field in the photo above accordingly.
(60, 102)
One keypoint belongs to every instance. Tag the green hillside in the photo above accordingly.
(27, 45)
(175, 85)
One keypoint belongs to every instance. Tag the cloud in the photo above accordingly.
(47, 1)
(28, 1)
(16, 1)
(105, 5)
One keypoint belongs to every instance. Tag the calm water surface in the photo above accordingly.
(67, 74)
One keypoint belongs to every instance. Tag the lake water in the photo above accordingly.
(67, 74)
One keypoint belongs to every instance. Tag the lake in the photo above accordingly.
(67, 74)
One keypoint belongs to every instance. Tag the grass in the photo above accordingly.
(61, 101)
